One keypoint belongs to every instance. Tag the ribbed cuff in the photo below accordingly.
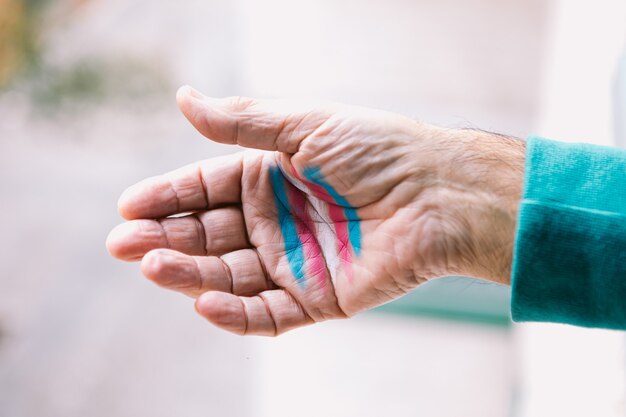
(569, 262)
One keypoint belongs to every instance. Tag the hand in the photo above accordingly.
(341, 210)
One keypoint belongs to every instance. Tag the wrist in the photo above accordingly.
(492, 167)
(478, 186)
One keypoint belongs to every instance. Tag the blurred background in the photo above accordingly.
(87, 108)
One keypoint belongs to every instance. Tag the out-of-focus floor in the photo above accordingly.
(82, 334)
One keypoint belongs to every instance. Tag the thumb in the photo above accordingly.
(277, 125)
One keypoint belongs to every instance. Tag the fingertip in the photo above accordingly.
(223, 310)
(205, 303)
(116, 239)
(109, 243)
(154, 263)
(181, 95)
(191, 104)
(149, 198)
(210, 116)
(164, 267)
(187, 90)
(124, 204)
(130, 241)
(186, 98)
(134, 202)
(182, 91)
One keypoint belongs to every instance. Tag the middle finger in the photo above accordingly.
(212, 232)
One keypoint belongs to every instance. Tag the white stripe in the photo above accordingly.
(324, 229)
(318, 210)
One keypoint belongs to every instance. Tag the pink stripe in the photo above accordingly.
(337, 216)
(343, 238)
(318, 190)
(304, 228)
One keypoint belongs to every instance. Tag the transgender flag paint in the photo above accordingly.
(335, 227)
(302, 248)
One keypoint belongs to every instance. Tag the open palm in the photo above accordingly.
(339, 209)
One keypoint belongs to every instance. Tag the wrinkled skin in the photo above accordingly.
(432, 202)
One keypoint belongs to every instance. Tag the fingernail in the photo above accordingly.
(187, 90)
(194, 93)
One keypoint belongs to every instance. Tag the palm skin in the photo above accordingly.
(426, 203)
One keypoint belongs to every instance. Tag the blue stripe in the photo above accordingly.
(314, 174)
(293, 245)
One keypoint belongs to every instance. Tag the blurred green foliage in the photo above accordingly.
(53, 86)
(95, 80)
(18, 44)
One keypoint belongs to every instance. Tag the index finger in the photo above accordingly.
(200, 186)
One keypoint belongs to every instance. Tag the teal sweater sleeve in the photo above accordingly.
(569, 262)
